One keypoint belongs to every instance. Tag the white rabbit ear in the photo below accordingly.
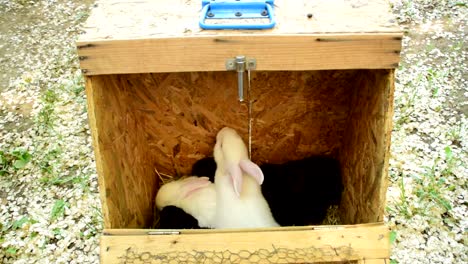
(235, 173)
(193, 184)
(252, 169)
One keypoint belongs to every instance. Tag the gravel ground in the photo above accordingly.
(49, 204)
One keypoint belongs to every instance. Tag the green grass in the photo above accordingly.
(95, 227)
(455, 134)
(403, 205)
(430, 188)
(75, 87)
(13, 226)
(406, 101)
(81, 180)
(58, 210)
(46, 115)
(433, 78)
(48, 162)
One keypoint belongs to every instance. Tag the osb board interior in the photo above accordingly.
(366, 146)
(169, 120)
(126, 19)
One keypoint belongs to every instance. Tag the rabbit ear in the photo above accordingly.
(252, 169)
(193, 184)
(235, 173)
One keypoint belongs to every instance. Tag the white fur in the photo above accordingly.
(247, 208)
(195, 195)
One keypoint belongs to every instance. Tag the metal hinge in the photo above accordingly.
(163, 232)
(241, 64)
(237, 9)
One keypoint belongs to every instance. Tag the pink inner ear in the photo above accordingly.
(252, 169)
(193, 184)
(235, 173)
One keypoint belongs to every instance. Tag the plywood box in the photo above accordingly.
(158, 92)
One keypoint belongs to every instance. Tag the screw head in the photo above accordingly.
(238, 14)
(309, 15)
(264, 13)
(210, 14)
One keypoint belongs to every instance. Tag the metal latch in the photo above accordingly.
(241, 64)
(237, 9)
(164, 232)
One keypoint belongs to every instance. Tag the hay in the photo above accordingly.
(333, 216)
(164, 178)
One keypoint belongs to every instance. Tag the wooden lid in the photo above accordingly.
(124, 36)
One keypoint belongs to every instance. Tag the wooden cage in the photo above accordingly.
(158, 92)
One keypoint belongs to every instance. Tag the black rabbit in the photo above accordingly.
(171, 217)
(205, 167)
(299, 192)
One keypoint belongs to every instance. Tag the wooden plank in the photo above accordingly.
(289, 53)
(374, 261)
(366, 147)
(125, 36)
(129, 19)
(275, 246)
(144, 232)
(100, 165)
(121, 158)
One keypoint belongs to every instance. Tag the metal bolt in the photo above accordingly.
(264, 13)
(210, 14)
(309, 15)
(238, 14)
(240, 63)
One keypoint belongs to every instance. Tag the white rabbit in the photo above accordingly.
(239, 199)
(195, 195)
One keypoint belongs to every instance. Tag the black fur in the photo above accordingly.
(204, 167)
(172, 217)
(300, 192)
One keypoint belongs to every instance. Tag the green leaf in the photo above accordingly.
(392, 237)
(448, 153)
(392, 261)
(19, 164)
(20, 154)
(11, 250)
(57, 231)
(58, 209)
(19, 223)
